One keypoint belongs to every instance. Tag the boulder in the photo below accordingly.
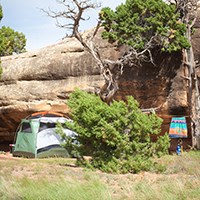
(42, 80)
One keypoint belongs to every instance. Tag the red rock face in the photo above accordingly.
(162, 86)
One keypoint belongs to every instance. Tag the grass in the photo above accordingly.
(28, 189)
(47, 179)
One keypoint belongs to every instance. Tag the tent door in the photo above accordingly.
(26, 140)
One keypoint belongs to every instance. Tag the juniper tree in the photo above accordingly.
(142, 25)
(117, 137)
(10, 41)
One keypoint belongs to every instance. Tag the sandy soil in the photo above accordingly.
(7, 156)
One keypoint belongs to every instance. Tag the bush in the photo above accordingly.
(116, 136)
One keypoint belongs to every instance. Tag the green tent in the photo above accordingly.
(37, 138)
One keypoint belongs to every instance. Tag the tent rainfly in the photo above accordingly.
(36, 136)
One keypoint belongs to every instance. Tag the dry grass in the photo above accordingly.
(61, 179)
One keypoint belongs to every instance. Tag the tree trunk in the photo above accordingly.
(193, 92)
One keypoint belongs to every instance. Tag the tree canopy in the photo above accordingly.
(145, 24)
(11, 41)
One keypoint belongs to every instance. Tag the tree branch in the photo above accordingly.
(73, 13)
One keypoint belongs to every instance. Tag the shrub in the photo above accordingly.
(116, 136)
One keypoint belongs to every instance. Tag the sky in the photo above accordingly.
(40, 30)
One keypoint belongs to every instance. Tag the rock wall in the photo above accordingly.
(43, 79)
(161, 87)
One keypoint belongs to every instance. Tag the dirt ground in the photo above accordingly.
(7, 156)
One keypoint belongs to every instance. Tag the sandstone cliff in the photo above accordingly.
(43, 79)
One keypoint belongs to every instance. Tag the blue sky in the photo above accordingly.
(40, 30)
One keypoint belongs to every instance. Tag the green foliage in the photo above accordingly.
(137, 21)
(117, 137)
(1, 13)
(11, 41)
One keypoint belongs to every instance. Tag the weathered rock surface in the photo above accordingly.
(43, 79)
